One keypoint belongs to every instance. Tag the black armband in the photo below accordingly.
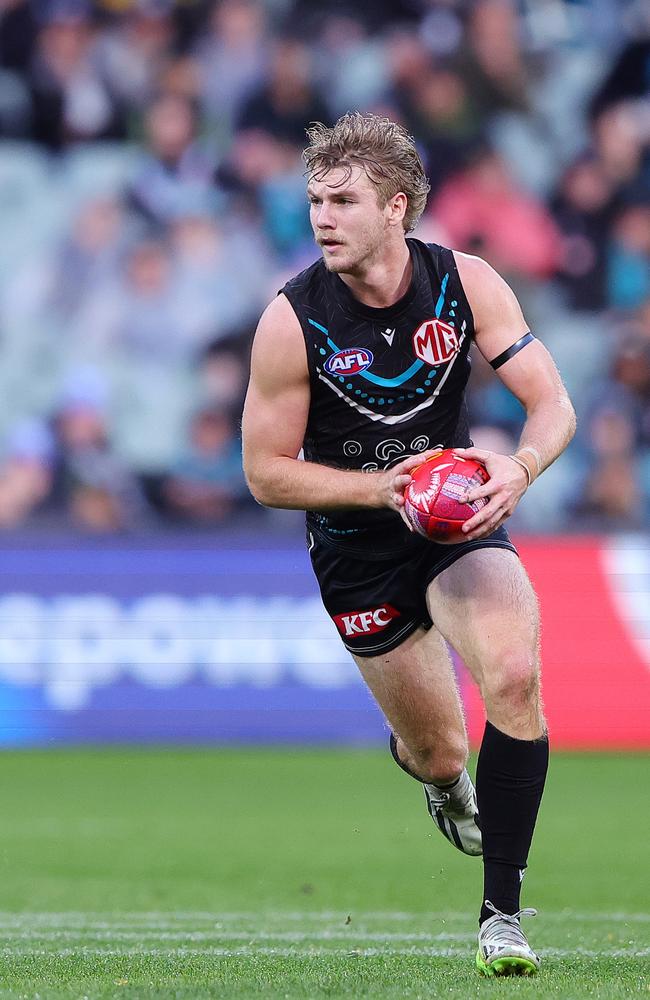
(511, 351)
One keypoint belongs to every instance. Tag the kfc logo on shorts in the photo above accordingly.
(365, 622)
(435, 342)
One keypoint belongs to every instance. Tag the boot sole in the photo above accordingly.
(512, 966)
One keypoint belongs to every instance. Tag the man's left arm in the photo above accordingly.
(527, 369)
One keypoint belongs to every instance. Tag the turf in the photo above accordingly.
(206, 873)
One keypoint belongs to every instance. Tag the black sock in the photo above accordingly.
(510, 778)
(400, 763)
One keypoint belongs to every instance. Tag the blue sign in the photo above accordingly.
(160, 642)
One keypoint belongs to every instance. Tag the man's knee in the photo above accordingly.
(436, 761)
(513, 677)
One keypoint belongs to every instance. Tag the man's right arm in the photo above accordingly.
(274, 423)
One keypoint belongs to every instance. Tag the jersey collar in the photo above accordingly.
(384, 314)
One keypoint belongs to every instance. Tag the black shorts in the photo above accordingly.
(375, 593)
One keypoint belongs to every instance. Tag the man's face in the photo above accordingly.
(349, 224)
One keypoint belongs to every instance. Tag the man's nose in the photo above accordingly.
(325, 217)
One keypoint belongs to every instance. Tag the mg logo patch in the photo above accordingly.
(435, 342)
(349, 361)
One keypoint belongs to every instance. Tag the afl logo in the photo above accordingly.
(349, 361)
(435, 342)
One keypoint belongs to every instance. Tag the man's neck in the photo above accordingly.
(385, 281)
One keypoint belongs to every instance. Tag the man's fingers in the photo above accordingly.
(477, 492)
(429, 453)
(397, 486)
(482, 524)
(414, 460)
(483, 530)
(401, 482)
(484, 516)
(478, 453)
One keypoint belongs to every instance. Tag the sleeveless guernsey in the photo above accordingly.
(384, 383)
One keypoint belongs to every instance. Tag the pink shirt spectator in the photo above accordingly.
(483, 211)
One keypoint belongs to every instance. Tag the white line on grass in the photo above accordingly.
(170, 919)
(254, 952)
(353, 935)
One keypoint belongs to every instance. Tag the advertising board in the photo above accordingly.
(225, 641)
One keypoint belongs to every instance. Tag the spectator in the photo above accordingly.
(89, 256)
(175, 176)
(15, 106)
(132, 53)
(167, 303)
(490, 403)
(232, 59)
(220, 272)
(631, 376)
(285, 104)
(351, 65)
(640, 320)
(207, 483)
(407, 60)
(53, 290)
(615, 442)
(620, 144)
(135, 314)
(583, 207)
(268, 172)
(611, 497)
(26, 472)
(493, 63)
(70, 101)
(482, 211)
(627, 77)
(628, 270)
(94, 487)
(438, 109)
(223, 372)
(17, 34)
(17, 41)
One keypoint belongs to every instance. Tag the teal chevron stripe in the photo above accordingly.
(441, 298)
(386, 383)
(322, 329)
(389, 383)
(392, 383)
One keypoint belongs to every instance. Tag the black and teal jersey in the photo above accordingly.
(384, 383)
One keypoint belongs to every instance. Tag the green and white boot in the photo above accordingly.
(454, 811)
(502, 946)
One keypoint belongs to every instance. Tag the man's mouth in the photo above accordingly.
(330, 244)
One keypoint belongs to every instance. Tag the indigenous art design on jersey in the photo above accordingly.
(432, 341)
(384, 383)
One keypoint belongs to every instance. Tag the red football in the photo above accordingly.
(432, 502)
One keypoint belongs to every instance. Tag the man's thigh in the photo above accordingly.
(485, 607)
(415, 687)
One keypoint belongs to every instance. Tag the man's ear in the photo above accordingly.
(397, 206)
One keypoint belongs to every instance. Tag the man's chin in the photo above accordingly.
(336, 265)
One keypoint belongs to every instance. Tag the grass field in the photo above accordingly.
(204, 873)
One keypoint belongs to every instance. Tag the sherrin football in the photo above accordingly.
(432, 498)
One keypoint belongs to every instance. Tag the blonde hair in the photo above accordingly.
(384, 150)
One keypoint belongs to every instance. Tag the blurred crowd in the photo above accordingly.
(152, 201)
